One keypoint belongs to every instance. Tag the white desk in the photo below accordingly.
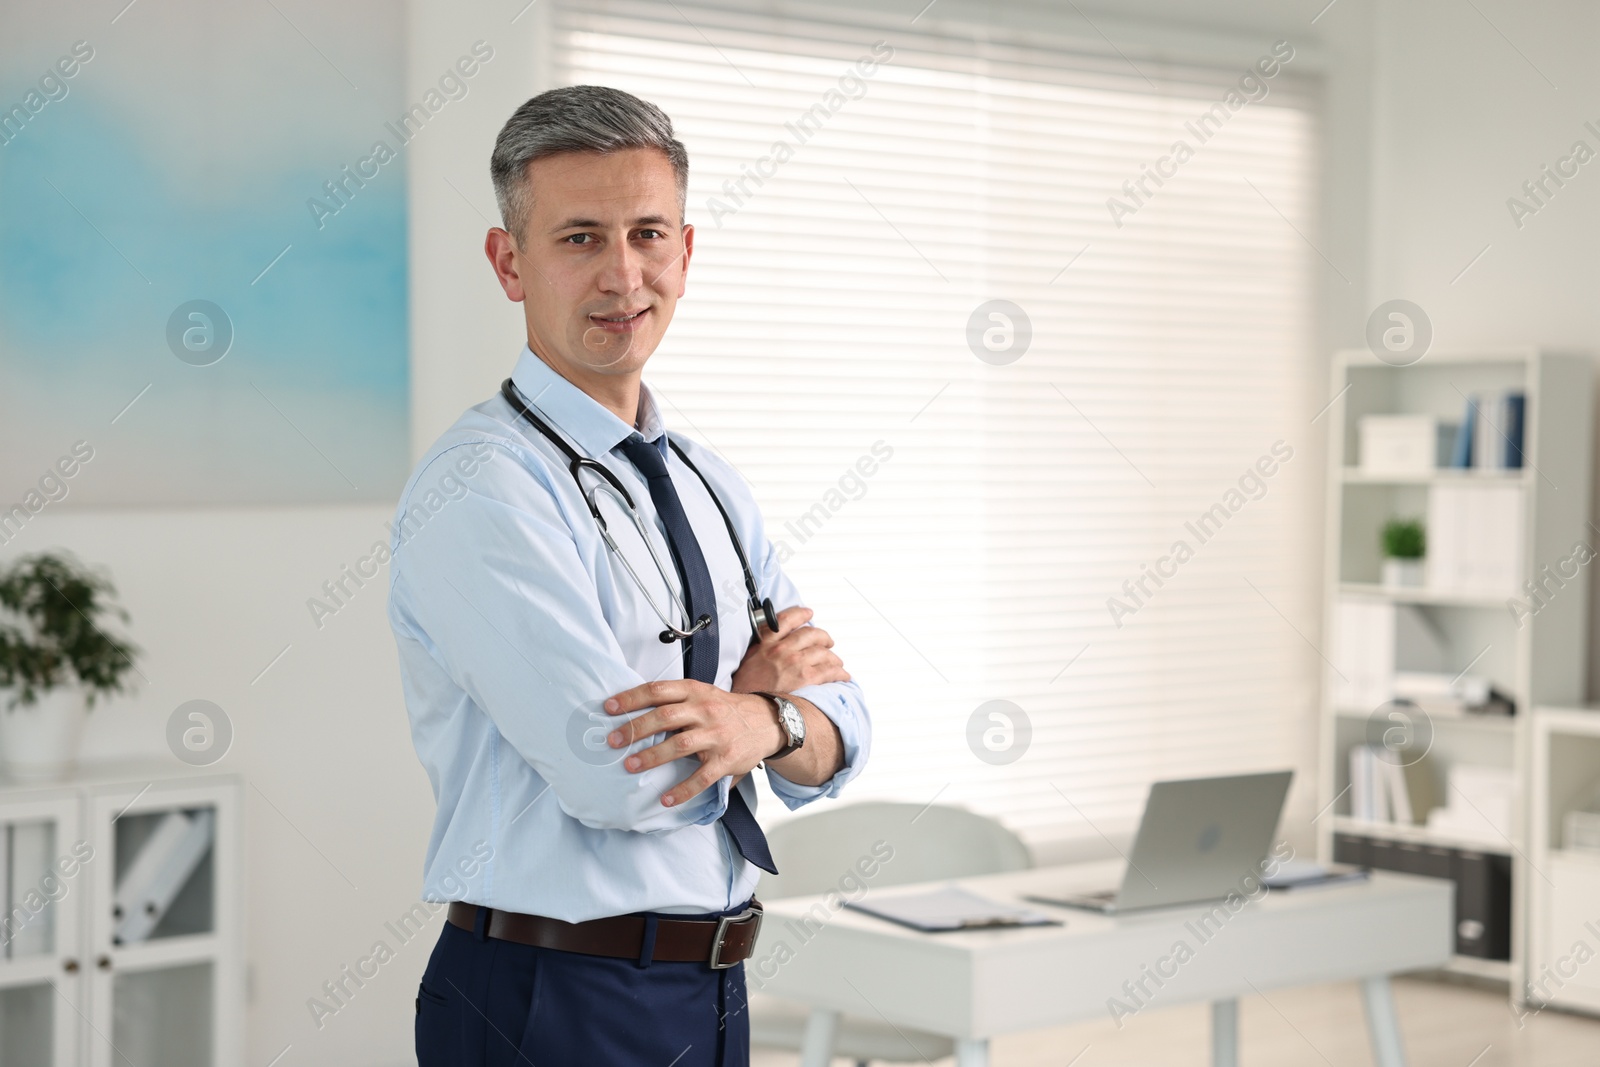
(973, 985)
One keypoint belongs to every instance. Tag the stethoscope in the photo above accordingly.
(760, 610)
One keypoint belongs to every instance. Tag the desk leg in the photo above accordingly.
(1382, 1022)
(972, 1052)
(816, 1047)
(1225, 1033)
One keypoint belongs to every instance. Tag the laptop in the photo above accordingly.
(1198, 839)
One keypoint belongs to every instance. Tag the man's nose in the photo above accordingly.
(621, 269)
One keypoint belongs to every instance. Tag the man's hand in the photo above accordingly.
(797, 655)
(728, 732)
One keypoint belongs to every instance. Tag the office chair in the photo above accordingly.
(815, 851)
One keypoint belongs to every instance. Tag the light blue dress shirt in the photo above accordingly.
(515, 622)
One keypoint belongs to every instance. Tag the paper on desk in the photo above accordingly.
(950, 908)
(1306, 874)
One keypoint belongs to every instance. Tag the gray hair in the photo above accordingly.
(576, 118)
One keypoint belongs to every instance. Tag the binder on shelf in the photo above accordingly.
(1383, 854)
(1515, 408)
(1461, 454)
(1363, 652)
(1475, 542)
(1374, 640)
(162, 868)
(1487, 449)
(1483, 904)
(1351, 849)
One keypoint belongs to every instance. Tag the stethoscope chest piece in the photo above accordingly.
(767, 615)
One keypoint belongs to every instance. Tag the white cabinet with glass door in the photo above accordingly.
(126, 949)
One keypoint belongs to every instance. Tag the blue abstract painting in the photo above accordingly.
(196, 287)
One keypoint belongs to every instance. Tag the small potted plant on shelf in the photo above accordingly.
(1404, 546)
(56, 660)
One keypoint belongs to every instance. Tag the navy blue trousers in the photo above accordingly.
(491, 1003)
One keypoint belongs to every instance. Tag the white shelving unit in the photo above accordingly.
(1535, 659)
(72, 993)
(1564, 896)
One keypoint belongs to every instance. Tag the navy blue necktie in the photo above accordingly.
(699, 598)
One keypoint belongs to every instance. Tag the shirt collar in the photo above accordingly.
(589, 423)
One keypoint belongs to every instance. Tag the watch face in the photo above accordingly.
(793, 721)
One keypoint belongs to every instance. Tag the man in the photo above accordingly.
(591, 766)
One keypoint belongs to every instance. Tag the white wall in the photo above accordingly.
(465, 334)
(1468, 111)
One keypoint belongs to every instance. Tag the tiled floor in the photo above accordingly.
(1445, 1025)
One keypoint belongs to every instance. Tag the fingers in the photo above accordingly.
(679, 745)
(808, 636)
(651, 694)
(660, 719)
(824, 666)
(691, 787)
(788, 620)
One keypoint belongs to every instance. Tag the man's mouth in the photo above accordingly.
(620, 322)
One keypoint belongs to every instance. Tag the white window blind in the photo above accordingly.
(827, 315)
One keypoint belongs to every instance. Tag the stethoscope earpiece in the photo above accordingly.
(670, 635)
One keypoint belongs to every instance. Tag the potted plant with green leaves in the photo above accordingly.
(56, 660)
(1405, 544)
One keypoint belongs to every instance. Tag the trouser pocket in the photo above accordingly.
(435, 1030)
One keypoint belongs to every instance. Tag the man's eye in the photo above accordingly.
(651, 233)
(581, 238)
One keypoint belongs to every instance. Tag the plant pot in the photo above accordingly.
(39, 742)
(1402, 573)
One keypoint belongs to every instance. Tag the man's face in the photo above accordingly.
(602, 260)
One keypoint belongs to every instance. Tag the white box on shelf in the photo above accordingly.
(1479, 803)
(1401, 444)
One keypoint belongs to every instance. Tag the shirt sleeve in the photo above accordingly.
(493, 585)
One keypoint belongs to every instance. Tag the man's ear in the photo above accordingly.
(501, 248)
(688, 251)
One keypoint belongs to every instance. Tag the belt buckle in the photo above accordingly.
(717, 938)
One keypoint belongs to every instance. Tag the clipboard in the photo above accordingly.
(950, 908)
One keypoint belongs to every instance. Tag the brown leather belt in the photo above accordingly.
(719, 943)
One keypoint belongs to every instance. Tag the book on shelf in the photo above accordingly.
(1490, 435)
(1391, 785)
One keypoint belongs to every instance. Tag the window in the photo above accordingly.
(850, 225)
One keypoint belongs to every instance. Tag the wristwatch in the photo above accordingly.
(793, 723)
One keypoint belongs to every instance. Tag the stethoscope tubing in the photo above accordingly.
(759, 609)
